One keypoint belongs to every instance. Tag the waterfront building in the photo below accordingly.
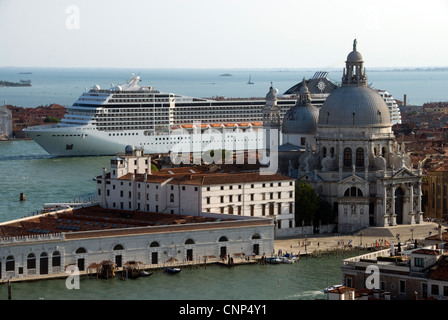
(437, 193)
(356, 165)
(418, 273)
(5, 123)
(132, 185)
(51, 244)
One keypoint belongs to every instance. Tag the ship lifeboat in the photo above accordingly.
(230, 125)
(187, 126)
(216, 125)
(243, 125)
(257, 124)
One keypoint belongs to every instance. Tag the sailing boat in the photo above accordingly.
(250, 82)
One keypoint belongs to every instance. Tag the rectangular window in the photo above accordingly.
(419, 262)
(434, 289)
(402, 288)
(222, 199)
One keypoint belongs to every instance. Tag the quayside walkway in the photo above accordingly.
(366, 238)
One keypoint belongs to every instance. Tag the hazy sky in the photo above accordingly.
(222, 33)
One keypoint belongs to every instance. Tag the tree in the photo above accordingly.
(306, 203)
(311, 208)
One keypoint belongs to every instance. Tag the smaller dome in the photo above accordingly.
(354, 56)
(301, 119)
(272, 94)
(129, 149)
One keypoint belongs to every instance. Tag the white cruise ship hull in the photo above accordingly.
(79, 141)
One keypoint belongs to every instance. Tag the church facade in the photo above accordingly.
(354, 161)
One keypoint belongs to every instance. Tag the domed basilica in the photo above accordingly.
(351, 157)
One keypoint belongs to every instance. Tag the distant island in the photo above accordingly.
(225, 75)
(22, 83)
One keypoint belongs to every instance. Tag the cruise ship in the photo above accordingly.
(395, 114)
(105, 121)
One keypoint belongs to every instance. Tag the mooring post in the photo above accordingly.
(9, 290)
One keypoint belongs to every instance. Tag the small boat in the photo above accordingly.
(250, 81)
(144, 273)
(286, 260)
(328, 289)
(289, 258)
(273, 260)
(172, 270)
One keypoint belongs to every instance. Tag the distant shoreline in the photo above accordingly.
(13, 84)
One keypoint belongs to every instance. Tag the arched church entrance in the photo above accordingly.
(399, 195)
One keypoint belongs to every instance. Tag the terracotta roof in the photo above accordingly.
(94, 218)
(201, 176)
(427, 251)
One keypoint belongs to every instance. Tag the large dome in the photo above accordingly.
(354, 106)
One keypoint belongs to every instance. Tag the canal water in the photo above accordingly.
(303, 280)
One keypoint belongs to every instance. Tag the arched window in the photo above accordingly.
(189, 241)
(118, 247)
(353, 192)
(347, 157)
(80, 250)
(31, 261)
(223, 239)
(360, 157)
(171, 197)
(256, 236)
(154, 244)
(10, 263)
(56, 259)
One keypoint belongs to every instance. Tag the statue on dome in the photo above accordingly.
(354, 44)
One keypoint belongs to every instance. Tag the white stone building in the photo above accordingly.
(44, 246)
(356, 165)
(130, 185)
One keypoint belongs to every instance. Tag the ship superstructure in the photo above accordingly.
(395, 114)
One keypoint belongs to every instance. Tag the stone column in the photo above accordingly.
(411, 201)
(385, 213)
(393, 215)
(419, 202)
